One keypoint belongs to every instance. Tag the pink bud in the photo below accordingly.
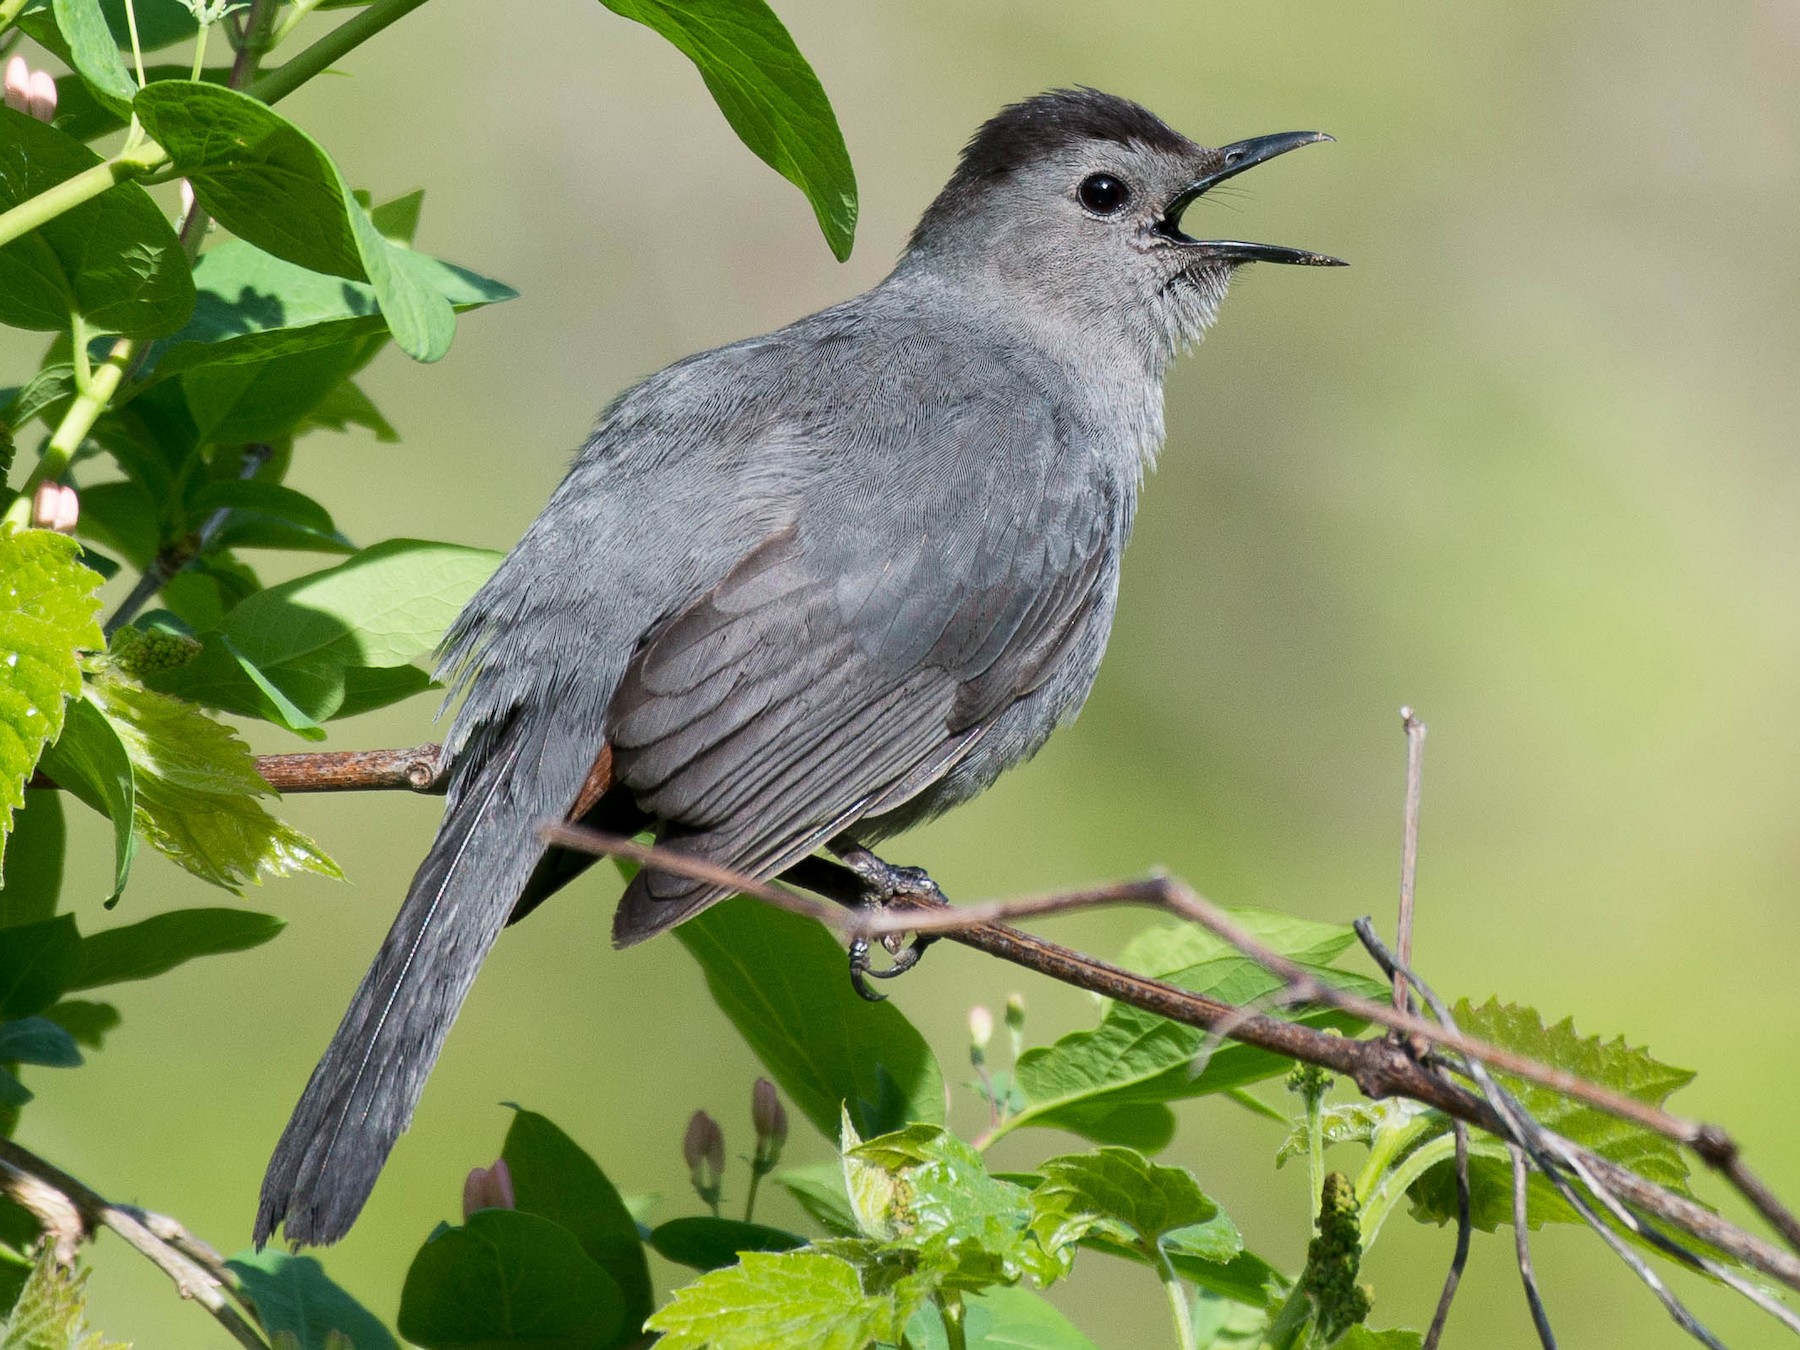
(488, 1188)
(771, 1121)
(41, 96)
(55, 507)
(704, 1147)
(17, 85)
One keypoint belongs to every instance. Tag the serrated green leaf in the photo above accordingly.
(1361, 1338)
(940, 1199)
(768, 94)
(1611, 1064)
(703, 1242)
(32, 877)
(89, 760)
(781, 980)
(196, 791)
(293, 1295)
(50, 1312)
(1349, 1123)
(94, 53)
(1119, 1194)
(47, 615)
(791, 1298)
(270, 183)
(508, 1278)
(37, 1040)
(38, 961)
(140, 951)
(554, 1178)
(114, 259)
(86, 1021)
(1001, 1318)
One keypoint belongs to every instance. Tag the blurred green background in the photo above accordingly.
(1528, 465)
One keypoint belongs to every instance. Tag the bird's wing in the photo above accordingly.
(851, 659)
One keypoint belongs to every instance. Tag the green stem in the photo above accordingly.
(1315, 1148)
(1394, 1185)
(950, 1308)
(137, 48)
(76, 423)
(200, 51)
(292, 20)
(10, 11)
(1177, 1292)
(84, 186)
(756, 1177)
(333, 46)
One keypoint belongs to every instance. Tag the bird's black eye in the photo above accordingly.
(1103, 194)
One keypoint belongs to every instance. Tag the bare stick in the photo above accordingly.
(1460, 1259)
(1409, 842)
(416, 770)
(77, 1212)
(1522, 1248)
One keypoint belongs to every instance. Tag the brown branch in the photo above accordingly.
(416, 770)
(72, 1213)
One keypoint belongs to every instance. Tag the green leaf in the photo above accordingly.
(139, 951)
(1361, 1338)
(38, 961)
(33, 870)
(769, 95)
(507, 1278)
(1611, 1064)
(708, 1243)
(86, 1021)
(818, 1188)
(554, 1178)
(348, 406)
(1118, 1194)
(237, 403)
(49, 1313)
(37, 1040)
(54, 383)
(196, 791)
(781, 980)
(1000, 1319)
(89, 760)
(114, 259)
(293, 1294)
(160, 23)
(270, 183)
(1349, 1123)
(1086, 1082)
(267, 515)
(47, 615)
(94, 53)
(252, 306)
(801, 1298)
(940, 1199)
(287, 653)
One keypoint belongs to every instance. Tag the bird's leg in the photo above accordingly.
(860, 880)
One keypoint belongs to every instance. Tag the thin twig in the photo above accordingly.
(1522, 1248)
(1460, 1258)
(419, 769)
(1409, 842)
(29, 1180)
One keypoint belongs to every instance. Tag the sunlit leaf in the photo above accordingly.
(802, 1298)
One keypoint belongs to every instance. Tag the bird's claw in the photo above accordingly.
(882, 883)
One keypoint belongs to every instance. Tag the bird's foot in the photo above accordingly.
(880, 884)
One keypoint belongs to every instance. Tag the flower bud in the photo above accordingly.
(55, 507)
(32, 92)
(703, 1149)
(488, 1188)
(770, 1119)
(981, 1031)
(1015, 1022)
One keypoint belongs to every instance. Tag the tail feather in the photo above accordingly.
(361, 1096)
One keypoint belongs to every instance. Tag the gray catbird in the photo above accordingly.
(806, 590)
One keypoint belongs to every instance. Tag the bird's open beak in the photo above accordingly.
(1233, 160)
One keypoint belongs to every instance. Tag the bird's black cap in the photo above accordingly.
(1034, 128)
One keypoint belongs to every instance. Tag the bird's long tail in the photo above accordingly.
(361, 1096)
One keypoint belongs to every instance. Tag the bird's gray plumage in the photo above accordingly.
(813, 586)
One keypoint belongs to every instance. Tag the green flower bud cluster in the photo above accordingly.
(1333, 1259)
(139, 652)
